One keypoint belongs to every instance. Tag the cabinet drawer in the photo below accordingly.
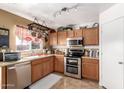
(88, 60)
(47, 59)
(36, 61)
(39, 61)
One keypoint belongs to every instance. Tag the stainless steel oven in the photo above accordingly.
(72, 59)
(72, 67)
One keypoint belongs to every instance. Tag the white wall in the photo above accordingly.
(0, 77)
(114, 12)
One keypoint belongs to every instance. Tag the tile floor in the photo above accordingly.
(47, 82)
(72, 83)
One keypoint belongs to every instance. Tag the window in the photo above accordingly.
(24, 40)
(37, 44)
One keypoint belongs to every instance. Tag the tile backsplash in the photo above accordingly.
(91, 52)
(29, 53)
(59, 51)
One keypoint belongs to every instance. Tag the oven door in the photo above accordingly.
(72, 69)
(72, 61)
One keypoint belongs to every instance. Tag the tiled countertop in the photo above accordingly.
(24, 60)
(33, 58)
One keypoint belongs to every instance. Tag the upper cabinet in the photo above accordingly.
(91, 36)
(78, 33)
(62, 35)
(53, 38)
(70, 34)
(75, 33)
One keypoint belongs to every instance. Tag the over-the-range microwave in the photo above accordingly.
(72, 42)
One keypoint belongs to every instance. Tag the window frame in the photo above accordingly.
(30, 45)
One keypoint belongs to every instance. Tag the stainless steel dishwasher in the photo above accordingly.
(19, 75)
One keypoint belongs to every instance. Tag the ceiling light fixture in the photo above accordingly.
(65, 9)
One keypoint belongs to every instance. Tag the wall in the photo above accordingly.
(0, 77)
(114, 12)
(8, 20)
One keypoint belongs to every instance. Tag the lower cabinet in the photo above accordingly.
(36, 72)
(41, 67)
(90, 69)
(3, 77)
(59, 64)
(44, 66)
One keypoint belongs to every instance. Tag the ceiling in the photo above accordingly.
(84, 13)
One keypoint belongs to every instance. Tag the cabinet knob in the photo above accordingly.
(120, 62)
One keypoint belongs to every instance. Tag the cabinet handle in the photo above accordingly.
(120, 62)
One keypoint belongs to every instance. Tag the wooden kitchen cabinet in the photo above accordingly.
(3, 79)
(45, 68)
(36, 70)
(41, 67)
(78, 33)
(62, 36)
(90, 68)
(47, 65)
(75, 33)
(51, 65)
(59, 64)
(91, 36)
(70, 34)
(53, 38)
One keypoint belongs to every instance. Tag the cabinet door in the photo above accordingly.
(42, 70)
(90, 69)
(36, 72)
(53, 39)
(51, 64)
(62, 38)
(59, 64)
(78, 33)
(41, 67)
(3, 77)
(91, 36)
(70, 34)
(45, 67)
